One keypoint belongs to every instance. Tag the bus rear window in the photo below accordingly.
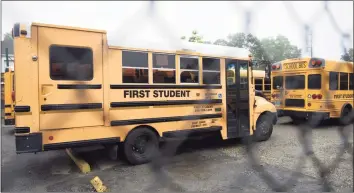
(314, 81)
(277, 82)
(70, 63)
(295, 82)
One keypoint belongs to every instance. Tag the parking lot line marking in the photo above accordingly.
(82, 164)
(98, 184)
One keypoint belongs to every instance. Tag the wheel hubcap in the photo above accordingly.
(140, 144)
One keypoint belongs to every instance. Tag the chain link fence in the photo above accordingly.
(304, 130)
(169, 149)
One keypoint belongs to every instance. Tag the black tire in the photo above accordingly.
(264, 127)
(140, 146)
(345, 116)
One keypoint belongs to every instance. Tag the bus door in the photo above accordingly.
(295, 90)
(70, 78)
(238, 115)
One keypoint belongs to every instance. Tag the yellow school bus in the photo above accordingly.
(263, 84)
(305, 88)
(74, 89)
(9, 118)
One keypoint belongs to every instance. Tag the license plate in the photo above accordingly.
(295, 65)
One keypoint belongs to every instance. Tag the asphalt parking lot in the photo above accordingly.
(200, 166)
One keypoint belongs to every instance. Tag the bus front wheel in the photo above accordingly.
(264, 127)
(140, 146)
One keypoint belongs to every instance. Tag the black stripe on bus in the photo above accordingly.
(161, 103)
(55, 107)
(190, 132)
(20, 109)
(79, 86)
(83, 143)
(7, 106)
(163, 119)
(120, 86)
(22, 130)
(7, 114)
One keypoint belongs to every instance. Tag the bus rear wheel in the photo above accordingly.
(140, 146)
(264, 127)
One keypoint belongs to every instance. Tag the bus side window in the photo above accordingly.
(258, 84)
(351, 81)
(333, 80)
(135, 67)
(189, 66)
(70, 63)
(211, 70)
(164, 68)
(267, 84)
(343, 85)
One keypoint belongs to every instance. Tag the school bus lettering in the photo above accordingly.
(156, 93)
(343, 96)
(295, 65)
(196, 124)
(295, 96)
(203, 108)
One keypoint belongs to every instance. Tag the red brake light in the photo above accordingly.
(319, 96)
(274, 67)
(316, 62)
(314, 96)
(13, 96)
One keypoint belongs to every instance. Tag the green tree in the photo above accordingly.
(348, 56)
(265, 51)
(195, 37)
(221, 42)
(279, 48)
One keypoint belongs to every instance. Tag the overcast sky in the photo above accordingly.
(212, 19)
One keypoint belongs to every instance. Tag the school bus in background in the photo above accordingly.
(73, 89)
(9, 118)
(306, 88)
(263, 84)
(256, 74)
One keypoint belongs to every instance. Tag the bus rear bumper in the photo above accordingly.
(303, 114)
(28, 143)
(32, 143)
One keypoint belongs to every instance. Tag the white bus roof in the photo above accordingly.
(205, 49)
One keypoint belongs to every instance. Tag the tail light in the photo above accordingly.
(275, 95)
(316, 96)
(274, 67)
(316, 62)
(309, 104)
(13, 95)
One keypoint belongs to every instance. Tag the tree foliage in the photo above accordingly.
(196, 37)
(348, 56)
(265, 51)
